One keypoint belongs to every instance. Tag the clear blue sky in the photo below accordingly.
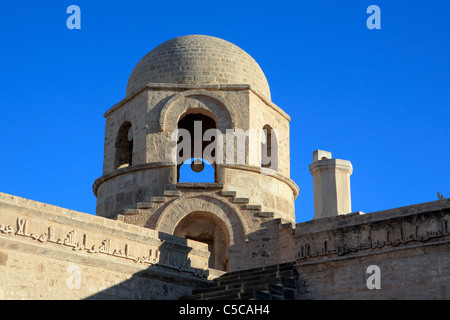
(379, 98)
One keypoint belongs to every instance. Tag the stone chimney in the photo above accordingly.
(331, 181)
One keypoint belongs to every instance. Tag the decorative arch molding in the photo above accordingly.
(183, 206)
(220, 109)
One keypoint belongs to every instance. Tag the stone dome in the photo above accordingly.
(198, 60)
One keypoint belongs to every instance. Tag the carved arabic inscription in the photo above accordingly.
(402, 234)
(105, 247)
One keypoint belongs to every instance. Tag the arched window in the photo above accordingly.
(124, 146)
(269, 148)
(191, 155)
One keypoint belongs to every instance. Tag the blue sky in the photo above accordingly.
(379, 98)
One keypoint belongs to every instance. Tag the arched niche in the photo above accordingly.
(223, 215)
(206, 227)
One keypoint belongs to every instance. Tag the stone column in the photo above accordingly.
(331, 181)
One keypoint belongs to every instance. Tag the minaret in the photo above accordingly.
(177, 96)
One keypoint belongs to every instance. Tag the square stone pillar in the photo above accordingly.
(331, 181)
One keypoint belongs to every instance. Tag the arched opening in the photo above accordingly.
(124, 146)
(190, 152)
(222, 216)
(269, 149)
(197, 101)
(207, 228)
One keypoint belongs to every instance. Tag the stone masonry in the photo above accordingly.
(157, 237)
(213, 80)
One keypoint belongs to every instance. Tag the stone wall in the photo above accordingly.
(125, 187)
(274, 193)
(154, 112)
(263, 112)
(409, 245)
(47, 252)
(420, 273)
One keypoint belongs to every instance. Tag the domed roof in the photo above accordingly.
(198, 59)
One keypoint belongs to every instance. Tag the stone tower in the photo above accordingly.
(196, 83)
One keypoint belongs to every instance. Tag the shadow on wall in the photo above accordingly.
(169, 278)
(173, 276)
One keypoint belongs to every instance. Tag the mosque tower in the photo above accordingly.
(207, 93)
